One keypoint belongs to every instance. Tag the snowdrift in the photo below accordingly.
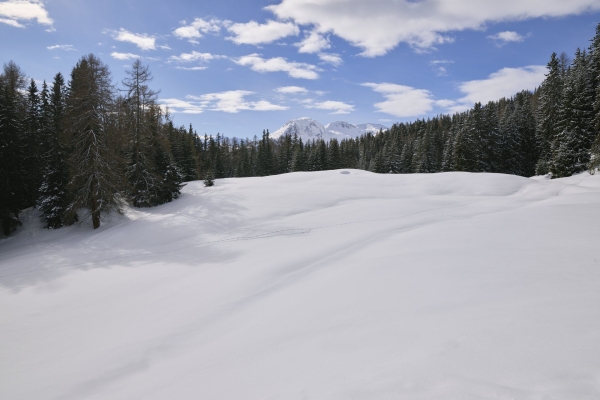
(327, 285)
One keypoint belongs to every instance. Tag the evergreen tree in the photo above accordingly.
(94, 182)
(467, 145)
(549, 108)
(12, 184)
(571, 147)
(33, 145)
(53, 194)
(209, 179)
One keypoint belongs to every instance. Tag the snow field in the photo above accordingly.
(326, 285)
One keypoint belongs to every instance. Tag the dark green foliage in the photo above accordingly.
(209, 179)
(94, 180)
(548, 110)
(53, 197)
(571, 147)
(13, 183)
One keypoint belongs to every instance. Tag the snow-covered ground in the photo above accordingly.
(326, 285)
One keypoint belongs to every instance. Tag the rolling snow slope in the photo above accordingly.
(323, 285)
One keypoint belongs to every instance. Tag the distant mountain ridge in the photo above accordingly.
(309, 129)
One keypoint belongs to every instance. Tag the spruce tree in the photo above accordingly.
(571, 147)
(209, 179)
(549, 107)
(94, 181)
(12, 185)
(53, 194)
(33, 145)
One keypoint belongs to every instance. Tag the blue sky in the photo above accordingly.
(238, 67)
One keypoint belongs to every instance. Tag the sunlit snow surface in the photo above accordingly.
(326, 285)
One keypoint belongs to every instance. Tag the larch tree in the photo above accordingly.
(140, 172)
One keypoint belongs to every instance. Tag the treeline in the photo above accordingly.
(553, 130)
(80, 149)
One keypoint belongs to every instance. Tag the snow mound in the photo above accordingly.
(334, 284)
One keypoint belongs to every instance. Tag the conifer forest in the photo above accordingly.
(81, 146)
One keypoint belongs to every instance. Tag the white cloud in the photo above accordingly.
(439, 66)
(141, 40)
(124, 56)
(11, 22)
(255, 33)
(65, 47)
(503, 83)
(313, 43)
(331, 58)
(13, 11)
(377, 26)
(291, 90)
(194, 56)
(232, 101)
(338, 107)
(507, 37)
(279, 64)
(181, 106)
(192, 68)
(403, 101)
(198, 27)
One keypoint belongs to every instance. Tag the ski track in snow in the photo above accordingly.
(282, 232)
(314, 285)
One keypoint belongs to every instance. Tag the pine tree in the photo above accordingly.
(549, 107)
(571, 147)
(209, 179)
(12, 145)
(94, 183)
(594, 68)
(53, 194)
(468, 151)
(33, 145)
(265, 162)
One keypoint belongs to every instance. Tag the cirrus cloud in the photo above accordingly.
(64, 47)
(232, 101)
(337, 107)
(194, 56)
(124, 56)
(291, 90)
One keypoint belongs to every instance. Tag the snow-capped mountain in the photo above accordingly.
(305, 128)
(309, 129)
